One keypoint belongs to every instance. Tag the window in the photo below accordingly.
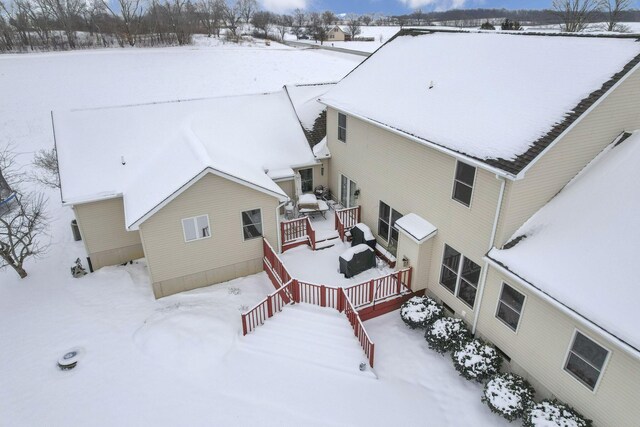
(306, 176)
(196, 228)
(510, 306)
(252, 224)
(387, 218)
(463, 183)
(342, 127)
(459, 275)
(586, 360)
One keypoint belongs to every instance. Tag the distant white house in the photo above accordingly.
(339, 33)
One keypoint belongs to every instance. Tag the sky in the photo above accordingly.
(391, 7)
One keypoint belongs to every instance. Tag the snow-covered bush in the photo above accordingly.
(554, 413)
(508, 395)
(447, 334)
(476, 360)
(419, 312)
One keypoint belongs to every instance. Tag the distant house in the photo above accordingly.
(450, 141)
(339, 33)
(192, 186)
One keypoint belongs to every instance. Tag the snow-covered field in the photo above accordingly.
(181, 360)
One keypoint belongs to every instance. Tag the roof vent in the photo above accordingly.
(431, 85)
(122, 160)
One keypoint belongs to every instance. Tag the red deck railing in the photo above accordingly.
(346, 219)
(277, 272)
(358, 328)
(297, 232)
(269, 306)
(348, 300)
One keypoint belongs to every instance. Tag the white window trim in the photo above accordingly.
(524, 302)
(345, 127)
(242, 225)
(568, 352)
(194, 218)
(459, 276)
(473, 187)
(349, 181)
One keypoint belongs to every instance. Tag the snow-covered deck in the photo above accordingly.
(321, 266)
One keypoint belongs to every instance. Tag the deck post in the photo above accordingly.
(409, 278)
(269, 307)
(371, 291)
(372, 350)
(399, 280)
(323, 296)
(244, 324)
(296, 290)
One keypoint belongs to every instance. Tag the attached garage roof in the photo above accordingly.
(147, 153)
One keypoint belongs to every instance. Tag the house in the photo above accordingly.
(189, 185)
(339, 33)
(560, 296)
(450, 141)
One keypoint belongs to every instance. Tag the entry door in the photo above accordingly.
(347, 192)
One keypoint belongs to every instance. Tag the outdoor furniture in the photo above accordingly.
(321, 207)
(288, 211)
(357, 259)
(360, 234)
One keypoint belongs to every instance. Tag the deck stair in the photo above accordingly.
(309, 334)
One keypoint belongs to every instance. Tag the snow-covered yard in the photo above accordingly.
(182, 360)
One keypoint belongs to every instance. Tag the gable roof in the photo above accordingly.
(499, 99)
(581, 248)
(165, 146)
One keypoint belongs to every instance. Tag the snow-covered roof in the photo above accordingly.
(417, 227)
(321, 149)
(165, 146)
(581, 248)
(305, 101)
(489, 96)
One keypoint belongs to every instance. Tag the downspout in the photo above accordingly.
(278, 243)
(483, 279)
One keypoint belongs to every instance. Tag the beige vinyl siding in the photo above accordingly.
(288, 187)
(618, 112)
(411, 177)
(104, 234)
(319, 178)
(176, 265)
(540, 348)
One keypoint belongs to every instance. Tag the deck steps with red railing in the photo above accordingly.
(309, 334)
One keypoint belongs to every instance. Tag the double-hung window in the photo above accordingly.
(510, 306)
(463, 183)
(196, 228)
(586, 360)
(460, 275)
(387, 218)
(252, 224)
(342, 127)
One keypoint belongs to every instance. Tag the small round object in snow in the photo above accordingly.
(70, 359)
(363, 366)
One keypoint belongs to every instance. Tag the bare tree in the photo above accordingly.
(366, 19)
(22, 221)
(283, 24)
(130, 13)
(232, 16)
(262, 21)
(299, 20)
(247, 9)
(329, 18)
(353, 26)
(575, 14)
(46, 166)
(211, 14)
(65, 13)
(612, 10)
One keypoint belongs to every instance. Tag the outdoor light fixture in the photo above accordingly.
(356, 193)
(322, 170)
(405, 261)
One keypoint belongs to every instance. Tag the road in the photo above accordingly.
(318, 46)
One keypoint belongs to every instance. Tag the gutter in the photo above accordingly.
(574, 315)
(447, 151)
(485, 270)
